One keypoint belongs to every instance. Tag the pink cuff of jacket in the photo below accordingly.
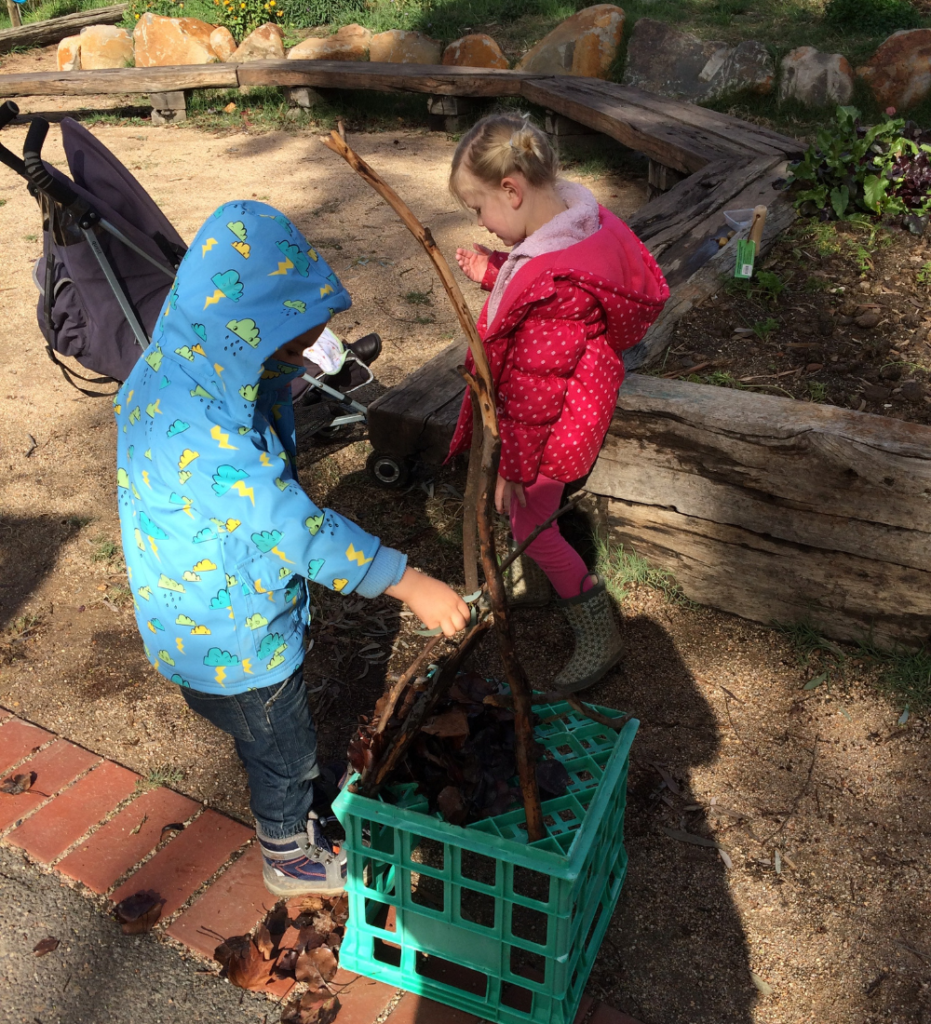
(495, 262)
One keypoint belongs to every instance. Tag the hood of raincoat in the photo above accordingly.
(217, 533)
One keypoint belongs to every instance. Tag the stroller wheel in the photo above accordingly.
(331, 433)
(391, 471)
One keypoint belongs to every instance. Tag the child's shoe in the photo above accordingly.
(525, 583)
(304, 863)
(598, 645)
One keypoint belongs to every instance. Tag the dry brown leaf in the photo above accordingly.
(48, 945)
(323, 922)
(310, 905)
(263, 941)
(340, 909)
(316, 966)
(228, 948)
(334, 940)
(286, 962)
(451, 805)
(310, 1009)
(17, 784)
(448, 725)
(277, 921)
(140, 912)
(309, 938)
(229, 108)
(249, 969)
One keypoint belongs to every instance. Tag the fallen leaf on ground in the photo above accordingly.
(140, 912)
(277, 921)
(764, 987)
(228, 948)
(48, 945)
(448, 725)
(229, 108)
(451, 805)
(316, 966)
(552, 778)
(17, 784)
(308, 1009)
(688, 837)
(248, 967)
(263, 941)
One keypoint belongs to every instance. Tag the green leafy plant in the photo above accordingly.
(418, 299)
(851, 171)
(764, 328)
(923, 277)
(244, 16)
(770, 285)
(817, 391)
(623, 568)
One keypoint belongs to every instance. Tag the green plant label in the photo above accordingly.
(746, 251)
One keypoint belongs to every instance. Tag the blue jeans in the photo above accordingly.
(276, 741)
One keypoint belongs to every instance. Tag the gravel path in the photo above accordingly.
(97, 974)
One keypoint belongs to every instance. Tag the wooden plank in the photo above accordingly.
(769, 506)
(754, 139)
(53, 30)
(696, 268)
(796, 456)
(768, 580)
(671, 142)
(120, 81)
(417, 417)
(433, 79)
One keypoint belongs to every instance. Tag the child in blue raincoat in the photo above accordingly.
(220, 539)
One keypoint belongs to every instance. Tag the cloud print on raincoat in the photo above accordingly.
(219, 537)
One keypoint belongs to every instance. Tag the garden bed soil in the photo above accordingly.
(841, 314)
(730, 746)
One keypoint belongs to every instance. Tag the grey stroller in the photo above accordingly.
(110, 256)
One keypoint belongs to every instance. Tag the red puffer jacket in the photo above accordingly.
(555, 349)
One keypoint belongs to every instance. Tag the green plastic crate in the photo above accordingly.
(475, 917)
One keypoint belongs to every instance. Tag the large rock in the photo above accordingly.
(899, 72)
(585, 44)
(475, 51)
(663, 60)
(222, 42)
(161, 42)
(105, 46)
(816, 79)
(400, 47)
(69, 54)
(351, 42)
(263, 43)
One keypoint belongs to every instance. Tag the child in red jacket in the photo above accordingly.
(576, 289)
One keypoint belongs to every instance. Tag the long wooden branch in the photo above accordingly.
(513, 670)
(337, 143)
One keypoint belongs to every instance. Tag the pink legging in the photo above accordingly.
(562, 564)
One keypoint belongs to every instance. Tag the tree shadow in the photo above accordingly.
(676, 949)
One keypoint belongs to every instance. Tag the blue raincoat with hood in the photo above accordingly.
(219, 537)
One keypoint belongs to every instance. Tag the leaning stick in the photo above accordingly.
(485, 448)
(337, 143)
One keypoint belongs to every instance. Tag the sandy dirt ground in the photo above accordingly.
(834, 930)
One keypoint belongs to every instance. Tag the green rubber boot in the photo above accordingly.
(525, 583)
(598, 646)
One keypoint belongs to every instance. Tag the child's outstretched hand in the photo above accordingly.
(473, 264)
(432, 601)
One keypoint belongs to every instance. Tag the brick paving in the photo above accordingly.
(59, 812)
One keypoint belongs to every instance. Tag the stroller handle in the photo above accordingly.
(36, 169)
(8, 111)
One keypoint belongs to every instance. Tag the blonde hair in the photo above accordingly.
(500, 145)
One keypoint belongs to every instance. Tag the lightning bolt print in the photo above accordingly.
(179, 643)
(207, 246)
(246, 666)
(154, 547)
(355, 556)
(264, 459)
(221, 674)
(245, 492)
(221, 438)
(281, 555)
(145, 477)
(213, 299)
(283, 268)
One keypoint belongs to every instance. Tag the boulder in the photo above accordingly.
(355, 34)
(69, 54)
(263, 43)
(585, 44)
(105, 46)
(328, 48)
(475, 51)
(663, 60)
(222, 42)
(899, 72)
(161, 42)
(816, 79)
(400, 47)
